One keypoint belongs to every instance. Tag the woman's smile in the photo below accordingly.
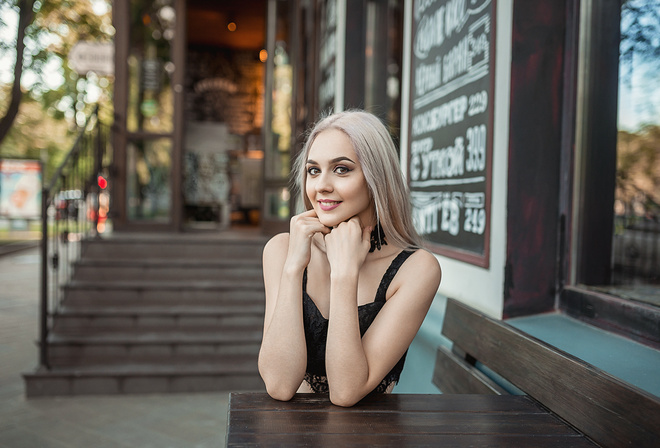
(327, 206)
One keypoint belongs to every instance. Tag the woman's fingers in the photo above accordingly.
(348, 245)
(307, 224)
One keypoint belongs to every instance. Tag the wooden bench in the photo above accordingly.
(609, 411)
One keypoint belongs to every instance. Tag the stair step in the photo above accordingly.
(179, 246)
(98, 320)
(228, 374)
(151, 348)
(170, 270)
(144, 293)
(154, 313)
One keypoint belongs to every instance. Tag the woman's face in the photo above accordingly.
(336, 186)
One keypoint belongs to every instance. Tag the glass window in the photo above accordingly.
(278, 114)
(279, 162)
(636, 244)
(148, 179)
(277, 203)
(150, 66)
(383, 60)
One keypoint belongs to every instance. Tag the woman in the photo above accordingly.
(323, 329)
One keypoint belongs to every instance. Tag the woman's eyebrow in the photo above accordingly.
(335, 160)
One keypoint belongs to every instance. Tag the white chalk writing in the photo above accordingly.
(442, 212)
(428, 76)
(430, 33)
(426, 162)
(448, 113)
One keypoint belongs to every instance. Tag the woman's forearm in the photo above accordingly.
(283, 354)
(346, 363)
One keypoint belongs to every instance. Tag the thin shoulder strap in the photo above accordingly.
(390, 273)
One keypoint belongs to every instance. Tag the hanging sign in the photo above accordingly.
(97, 57)
(451, 118)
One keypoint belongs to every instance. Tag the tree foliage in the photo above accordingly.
(639, 52)
(640, 30)
(53, 95)
(24, 18)
(638, 166)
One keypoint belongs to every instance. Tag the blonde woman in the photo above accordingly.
(349, 286)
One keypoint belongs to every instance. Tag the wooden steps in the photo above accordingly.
(157, 314)
(231, 374)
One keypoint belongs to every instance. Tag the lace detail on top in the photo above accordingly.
(316, 330)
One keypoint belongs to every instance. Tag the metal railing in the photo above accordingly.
(74, 206)
(636, 244)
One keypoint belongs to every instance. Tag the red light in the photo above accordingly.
(102, 182)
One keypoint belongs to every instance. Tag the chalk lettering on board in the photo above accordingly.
(446, 114)
(428, 76)
(450, 124)
(430, 33)
(463, 64)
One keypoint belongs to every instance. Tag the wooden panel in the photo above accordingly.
(537, 64)
(404, 440)
(389, 403)
(634, 320)
(453, 375)
(598, 143)
(341, 422)
(606, 409)
(397, 420)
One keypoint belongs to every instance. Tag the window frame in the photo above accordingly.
(587, 198)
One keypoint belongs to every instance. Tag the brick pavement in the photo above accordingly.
(140, 421)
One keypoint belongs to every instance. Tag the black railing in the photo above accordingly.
(636, 244)
(74, 206)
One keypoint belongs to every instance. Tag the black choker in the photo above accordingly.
(377, 238)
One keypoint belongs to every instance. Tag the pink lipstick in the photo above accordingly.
(326, 206)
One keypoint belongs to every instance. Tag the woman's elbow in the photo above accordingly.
(278, 389)
(280, 393)
(345, 400)
(278, 384)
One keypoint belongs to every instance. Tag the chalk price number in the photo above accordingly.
(475, 220)
(476, 148)
(477, 103)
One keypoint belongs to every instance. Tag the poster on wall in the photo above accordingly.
(20, 189)
(450, 129)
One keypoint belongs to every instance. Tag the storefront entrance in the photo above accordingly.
(189, 100)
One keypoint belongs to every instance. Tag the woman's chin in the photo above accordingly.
(329, 221)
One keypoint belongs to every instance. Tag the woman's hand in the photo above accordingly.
(302, 229)
(347, 247)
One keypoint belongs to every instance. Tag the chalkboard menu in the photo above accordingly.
(451, 118)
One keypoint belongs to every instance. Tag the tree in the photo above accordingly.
(45, 92)
(24, 19)
(639, 52)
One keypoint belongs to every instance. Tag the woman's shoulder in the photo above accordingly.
(423, 266)
(277, 244)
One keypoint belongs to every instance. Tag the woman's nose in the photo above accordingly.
(323, 183)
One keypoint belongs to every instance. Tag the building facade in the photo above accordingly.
(506, 112)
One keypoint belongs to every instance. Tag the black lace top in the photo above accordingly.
(316, 330)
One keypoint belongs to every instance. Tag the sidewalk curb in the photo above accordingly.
(17, 246)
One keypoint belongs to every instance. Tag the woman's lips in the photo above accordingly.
(326, 206)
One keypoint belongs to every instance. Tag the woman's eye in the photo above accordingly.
(341, 170)
(313, 171)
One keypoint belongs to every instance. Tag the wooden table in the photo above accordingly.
(397, 420)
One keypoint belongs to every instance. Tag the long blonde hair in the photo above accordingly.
(380, 164)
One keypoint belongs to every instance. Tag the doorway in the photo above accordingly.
(222, 154)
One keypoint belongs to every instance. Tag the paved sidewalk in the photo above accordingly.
(136, 421)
